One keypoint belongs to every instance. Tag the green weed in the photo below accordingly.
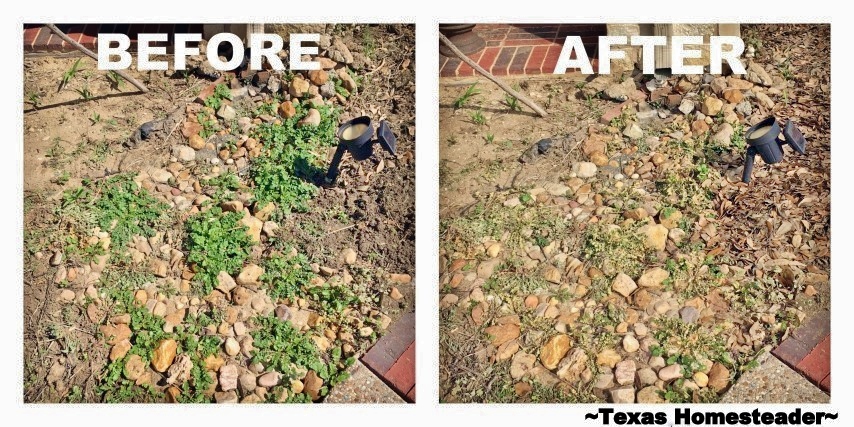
(464, 99)
(216, 241)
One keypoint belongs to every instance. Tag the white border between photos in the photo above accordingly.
(426, 16)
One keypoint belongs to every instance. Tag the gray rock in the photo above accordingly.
(633, 131)
(327, 90)
(686, 106)
(689, 314)
(744, 108)
(226, 112)
(184, 153)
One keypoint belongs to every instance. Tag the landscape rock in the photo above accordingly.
(311, 119)
(164, 355)
(686, 106)
(671, 372)
(624, 373)
(232, 347)
(608, 357)
(653, 278)
(228, 376)
(571, 367)
(554, 350)
(312, 385)
(500, 334)
(711, 106)
(633, 131)
(134, 367)
(270, 379)
(630, 344)
(656, 237)
(184, 153)
(649, 394)
(521, 364)
(249, 276)
(623, 285)
(718, 377)
(756, 74)
(623, 395)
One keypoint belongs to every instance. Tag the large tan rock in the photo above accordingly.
(554, 349)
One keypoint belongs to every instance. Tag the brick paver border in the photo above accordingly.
(38, 38)
(807, 350)
(522, 49)
(392, 358)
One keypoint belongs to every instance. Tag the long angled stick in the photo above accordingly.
(494, 79)
(92, 55)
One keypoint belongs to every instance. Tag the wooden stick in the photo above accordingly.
(494, 79)
(92, 55)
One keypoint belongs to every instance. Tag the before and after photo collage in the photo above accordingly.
(627, 213)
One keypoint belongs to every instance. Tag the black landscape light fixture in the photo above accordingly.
(764, 139)
(357, 137)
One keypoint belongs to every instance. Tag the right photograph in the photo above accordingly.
(630, 219)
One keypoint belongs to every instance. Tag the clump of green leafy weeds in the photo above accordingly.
(292, 159)
(216, 241)
(285, 275)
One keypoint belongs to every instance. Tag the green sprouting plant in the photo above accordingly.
(69, 74)
(210, 126)
(369, 45)
(96, 118)
(284, 276)
(702, 171)
(332, 299)
(464, 99)
(281, 347)
(35, 99)
(221, 92)
(292, 159)
(116, 81)
(478, 118)
(615, 248)
(62, 178)
(85, 93)
(224, 187)
(512, 102)
(490, 138)
(125, 209)
(216, 241)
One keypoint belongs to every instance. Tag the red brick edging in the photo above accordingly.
(807, 350)
(392, 358)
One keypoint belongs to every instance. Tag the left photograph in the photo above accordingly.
(219, 213)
